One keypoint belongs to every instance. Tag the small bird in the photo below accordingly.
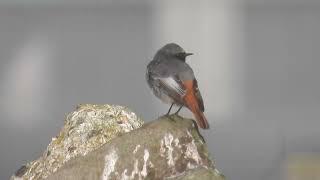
(172, 80)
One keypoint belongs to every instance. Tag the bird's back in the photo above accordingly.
(164, 67)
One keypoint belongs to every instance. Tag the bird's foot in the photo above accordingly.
(170, 116)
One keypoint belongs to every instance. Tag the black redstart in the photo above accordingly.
(172, 80)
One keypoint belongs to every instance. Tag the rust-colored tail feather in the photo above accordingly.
(201, 119)
(192, 103)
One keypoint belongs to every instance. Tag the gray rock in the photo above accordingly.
(201, 173)
(167, 148)
(111, 142)
(86, 129)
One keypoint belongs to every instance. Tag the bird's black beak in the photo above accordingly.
(188, 54)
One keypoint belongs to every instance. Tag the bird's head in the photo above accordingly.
(174, 50)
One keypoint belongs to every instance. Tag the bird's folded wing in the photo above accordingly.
(172, 87)
(198, 95)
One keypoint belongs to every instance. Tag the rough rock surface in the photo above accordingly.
(86, 129)
(111, 142)
(201, 173)
(167, 148)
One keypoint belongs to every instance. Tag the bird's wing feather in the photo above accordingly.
(173, 84)
(172, 87)
(198, 95)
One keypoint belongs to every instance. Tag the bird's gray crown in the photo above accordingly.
(172, 49)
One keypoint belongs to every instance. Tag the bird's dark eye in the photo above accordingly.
(181, 56)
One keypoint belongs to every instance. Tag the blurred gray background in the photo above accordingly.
(256, 61)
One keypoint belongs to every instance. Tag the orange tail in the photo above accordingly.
(192, 103)
(201, 119)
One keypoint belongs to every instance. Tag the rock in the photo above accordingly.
(167, 148)
(86, 129)
(111, 142)
(201, 174)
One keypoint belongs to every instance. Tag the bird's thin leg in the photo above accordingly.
(169, 109)
(176, 113)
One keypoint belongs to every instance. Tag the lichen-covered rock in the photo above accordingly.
(201, 173)
(86, 129)
(167, 148)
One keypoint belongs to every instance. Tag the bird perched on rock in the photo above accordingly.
(172, 80)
